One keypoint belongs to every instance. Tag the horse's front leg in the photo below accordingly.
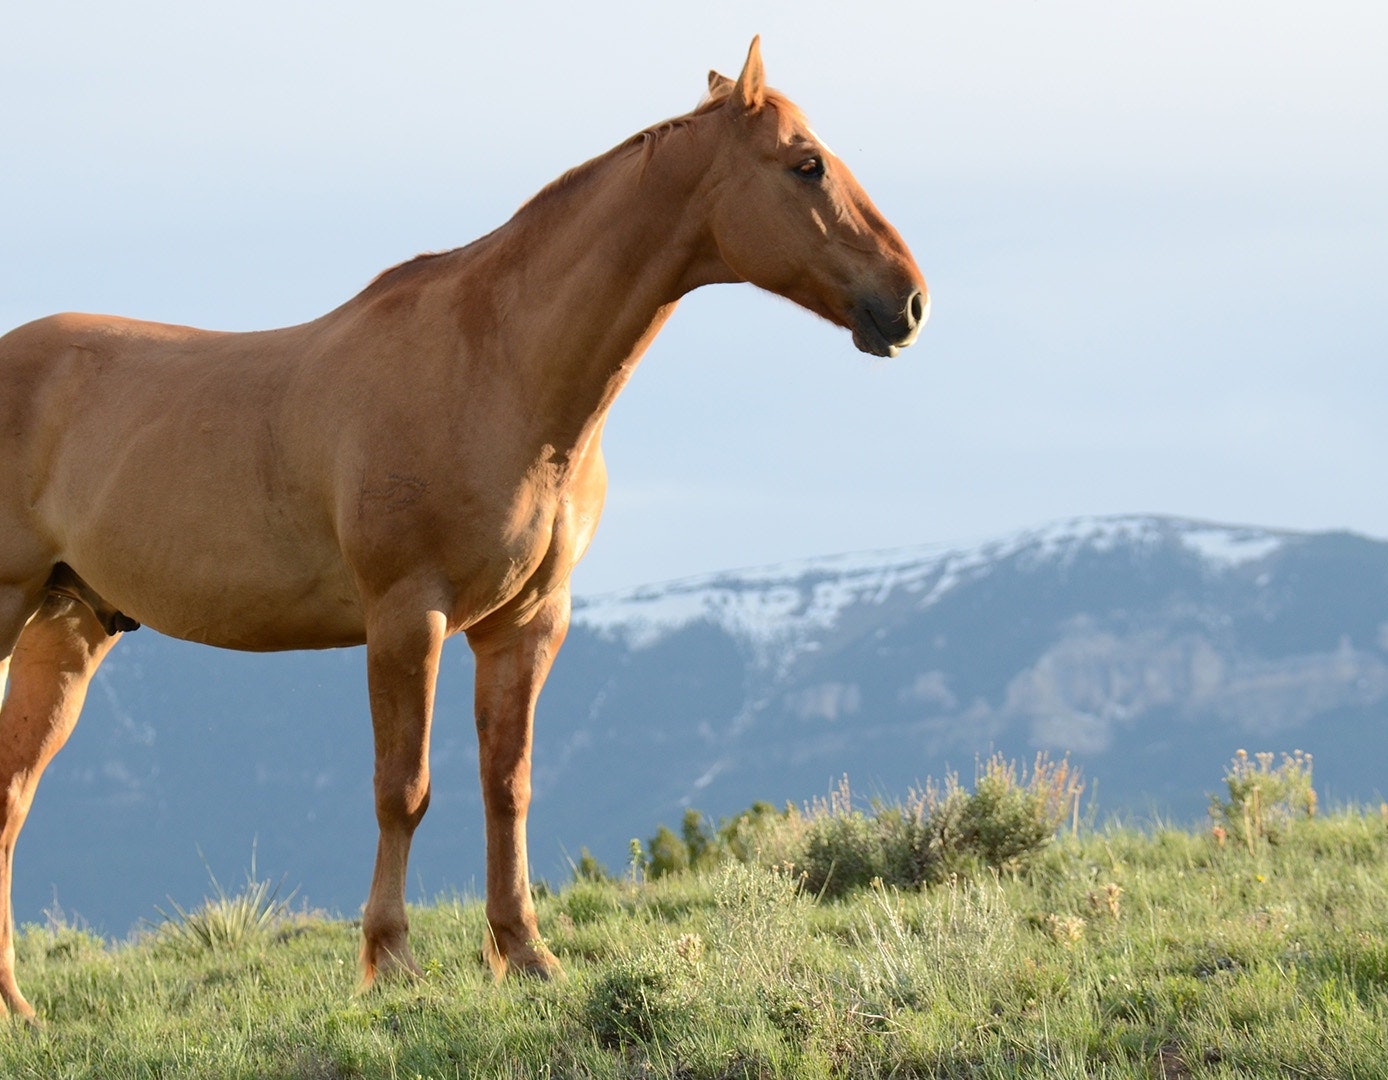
(403, 644)
(511, 667)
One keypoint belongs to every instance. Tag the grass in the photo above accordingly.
(949, 936)
(226, 920)
(1118, 952)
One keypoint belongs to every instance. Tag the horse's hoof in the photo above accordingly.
(21, 1016)
(533, 960)
(549, 970)
(389, 963)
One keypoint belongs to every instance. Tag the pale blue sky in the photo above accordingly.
(1156, 236)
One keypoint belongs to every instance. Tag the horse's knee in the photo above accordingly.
(507, 793)
(402, 803)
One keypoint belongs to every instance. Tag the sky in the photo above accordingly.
(1156, 237)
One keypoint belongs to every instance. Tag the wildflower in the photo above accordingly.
(690, 948)
(1064, 930)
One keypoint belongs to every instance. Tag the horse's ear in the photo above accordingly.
(750, 90)
(719, 85)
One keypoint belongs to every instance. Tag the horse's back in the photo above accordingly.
(45, 366)
(76, 389)
(54, 368)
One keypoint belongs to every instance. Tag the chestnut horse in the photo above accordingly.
(421, 461)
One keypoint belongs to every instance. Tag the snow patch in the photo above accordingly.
(1232, 547)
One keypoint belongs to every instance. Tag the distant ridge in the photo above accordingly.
(774, 600)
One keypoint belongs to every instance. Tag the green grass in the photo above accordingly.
(1121, 952)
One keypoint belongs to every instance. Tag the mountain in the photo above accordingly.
(1149, 649)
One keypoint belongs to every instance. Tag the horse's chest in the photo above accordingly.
(547, 541)
(500, 541)
(527, 556)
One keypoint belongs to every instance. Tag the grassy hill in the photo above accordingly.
(1112, 951)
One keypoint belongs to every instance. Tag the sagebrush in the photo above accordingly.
(939, 832)
(1264, 800)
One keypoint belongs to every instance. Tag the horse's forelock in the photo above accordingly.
(789, 117)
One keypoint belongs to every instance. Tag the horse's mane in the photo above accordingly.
(410, 268)
(644, 142)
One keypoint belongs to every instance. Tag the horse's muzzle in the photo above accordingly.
(883, 326)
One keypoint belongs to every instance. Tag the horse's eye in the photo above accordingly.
(811, 168)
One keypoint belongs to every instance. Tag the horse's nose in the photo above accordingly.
(885, 323)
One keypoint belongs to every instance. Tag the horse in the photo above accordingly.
(422, 461)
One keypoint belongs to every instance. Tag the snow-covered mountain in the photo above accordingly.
(1150, 649)
(778, 610)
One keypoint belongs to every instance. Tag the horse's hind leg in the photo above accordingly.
(52, 665)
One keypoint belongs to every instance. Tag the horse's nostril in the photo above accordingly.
(915, 307)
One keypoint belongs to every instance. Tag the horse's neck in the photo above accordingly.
(585, 276)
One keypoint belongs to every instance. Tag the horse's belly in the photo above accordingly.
(236, 609)
(232, 582)
(203, 529)
(258, 623)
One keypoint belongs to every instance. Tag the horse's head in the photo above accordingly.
(787, 215)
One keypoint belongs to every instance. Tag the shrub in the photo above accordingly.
(1263, 800)
(940, 832)
(1009, 818)
(642, 997)
(761, 833)
(959, 942)
(760, 927)
(698, 842)
(588, 868)
(668, 854)
(843, 848)
(58, 939)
